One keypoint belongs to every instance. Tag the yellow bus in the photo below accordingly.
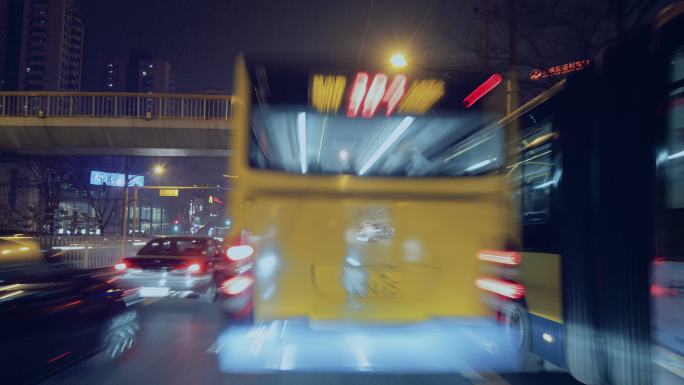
(595, 175)
(359, 196)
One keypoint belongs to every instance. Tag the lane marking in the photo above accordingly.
(287, 361)
(489, 378)
(488, 345)
(361, 358)
(282, 330)
(215, 347)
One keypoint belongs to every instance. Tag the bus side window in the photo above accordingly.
(674, 165)
(536, 182)
(675, 134)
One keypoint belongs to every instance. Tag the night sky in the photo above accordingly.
(201, 38)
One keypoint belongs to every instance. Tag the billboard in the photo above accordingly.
(115, 179)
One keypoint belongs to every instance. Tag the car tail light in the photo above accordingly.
(511, 258)
(239, 252)
(193, 268)
(660, 291)
(121, 266)
(237, 284)
(499, 286)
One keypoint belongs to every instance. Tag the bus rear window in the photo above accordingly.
(304, 142)
(675, 135)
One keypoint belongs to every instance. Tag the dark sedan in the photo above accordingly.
(183, 266)
(51, 316)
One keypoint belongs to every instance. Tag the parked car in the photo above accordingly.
(51, 316)
(175, 266)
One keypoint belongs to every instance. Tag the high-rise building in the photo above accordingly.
(139, 73)
(133, 68)
(156, 76)
(51, 52)
(112, 76)
(11, 17)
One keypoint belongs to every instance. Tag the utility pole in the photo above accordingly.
(124, 213)
(487, 32)
(135, 211)
(512, 81)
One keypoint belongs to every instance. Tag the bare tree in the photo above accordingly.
(104, 201)
(545, 32)
(52, 177)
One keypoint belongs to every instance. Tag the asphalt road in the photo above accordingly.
(183, 342)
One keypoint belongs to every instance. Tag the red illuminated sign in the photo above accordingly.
(394, 93)
(482, 90)
(215, 200)
(559, 70)
(367, 94)
(368, 99)
(358, 92)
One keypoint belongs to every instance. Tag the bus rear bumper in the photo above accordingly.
(441, 345)
(548, 340)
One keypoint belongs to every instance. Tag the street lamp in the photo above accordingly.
(398, 60)
(158, 169)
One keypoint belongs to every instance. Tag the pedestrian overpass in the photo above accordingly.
(103, 123)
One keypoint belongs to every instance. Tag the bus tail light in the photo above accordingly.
(239, 252)
(511, 258)
(237, 284)
(507, 289)
(661, 291)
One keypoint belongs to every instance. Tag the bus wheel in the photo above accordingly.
(238, 310)
(209, 296)
(518, 333)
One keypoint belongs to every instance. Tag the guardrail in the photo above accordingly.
(115, 105)
(88, 251)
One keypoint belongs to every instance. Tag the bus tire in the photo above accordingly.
(519, 335)
(209, 296)
(241, 315)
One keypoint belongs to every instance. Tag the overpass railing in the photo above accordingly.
(115, 105)
(89, 251)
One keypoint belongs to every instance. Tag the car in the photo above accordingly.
(218, 233)
(52, 317)
(175, 266)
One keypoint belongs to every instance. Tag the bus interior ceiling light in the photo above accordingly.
(479, 165)
(391, 139)
(301, 134)
(676, 155)
(482, 90)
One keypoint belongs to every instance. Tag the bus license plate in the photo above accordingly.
(382, 283)
(151, 292)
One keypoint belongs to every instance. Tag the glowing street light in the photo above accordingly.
(398, 60)
(158, 169)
